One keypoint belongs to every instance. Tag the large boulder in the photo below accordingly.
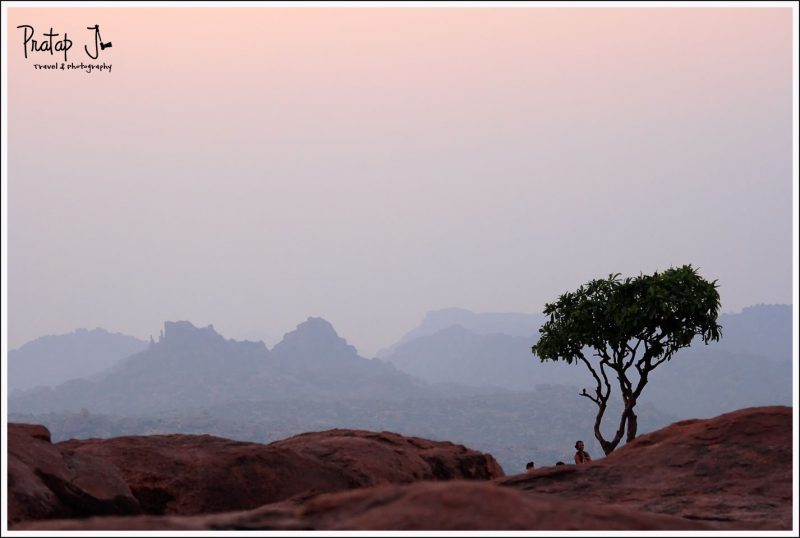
(734, 470)
(197, 474)
(47, 482)
(373, 458)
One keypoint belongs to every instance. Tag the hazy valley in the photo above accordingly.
(459, 376)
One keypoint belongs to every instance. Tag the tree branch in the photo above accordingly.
(603, 364)
(587, 395)
(633, 351)
(666, 357)
(594, 374)
(621, 367)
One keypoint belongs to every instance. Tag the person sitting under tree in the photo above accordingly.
(581, 456)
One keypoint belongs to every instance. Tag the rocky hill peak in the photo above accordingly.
(186, 332)
(314, 338)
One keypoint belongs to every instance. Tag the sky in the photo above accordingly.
(251, 167)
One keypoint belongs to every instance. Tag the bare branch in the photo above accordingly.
(644, 362)
(594, 374)
(603, 364)
(633, 351)
(665, 358)
(622, 378)
(624, 382)
(587, 395)
(642, 382)
(621, 430)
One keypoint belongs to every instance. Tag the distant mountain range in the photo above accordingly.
(193, 367)
(51, 360)
(458, 355)
(763, 330)
(751, 365)
(460, 376)
(452, 352)
(483, 323)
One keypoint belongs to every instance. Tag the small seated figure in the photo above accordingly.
(581, 456)
(529, 467)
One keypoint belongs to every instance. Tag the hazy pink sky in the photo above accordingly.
(252, 167)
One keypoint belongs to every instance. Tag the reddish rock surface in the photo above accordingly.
(455, 505)
(373, 458)
(734, 471)
(200, 474)
(44, 482)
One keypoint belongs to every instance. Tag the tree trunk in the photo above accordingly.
(607, 446)
(632, 424)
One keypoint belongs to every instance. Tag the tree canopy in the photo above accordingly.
(612, 325)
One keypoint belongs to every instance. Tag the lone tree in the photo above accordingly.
(634, 323)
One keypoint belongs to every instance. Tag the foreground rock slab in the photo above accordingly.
(44, 482)
(373, 458)
(200, 474)
(734, 471)
(423, 506)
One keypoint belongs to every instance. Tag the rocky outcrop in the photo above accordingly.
(45, 482)
(422, 506)
(315, 341)
(373, 458)
(325, 367)
(197, 474)
(192, 368)
(188, 368)
(734, 470)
